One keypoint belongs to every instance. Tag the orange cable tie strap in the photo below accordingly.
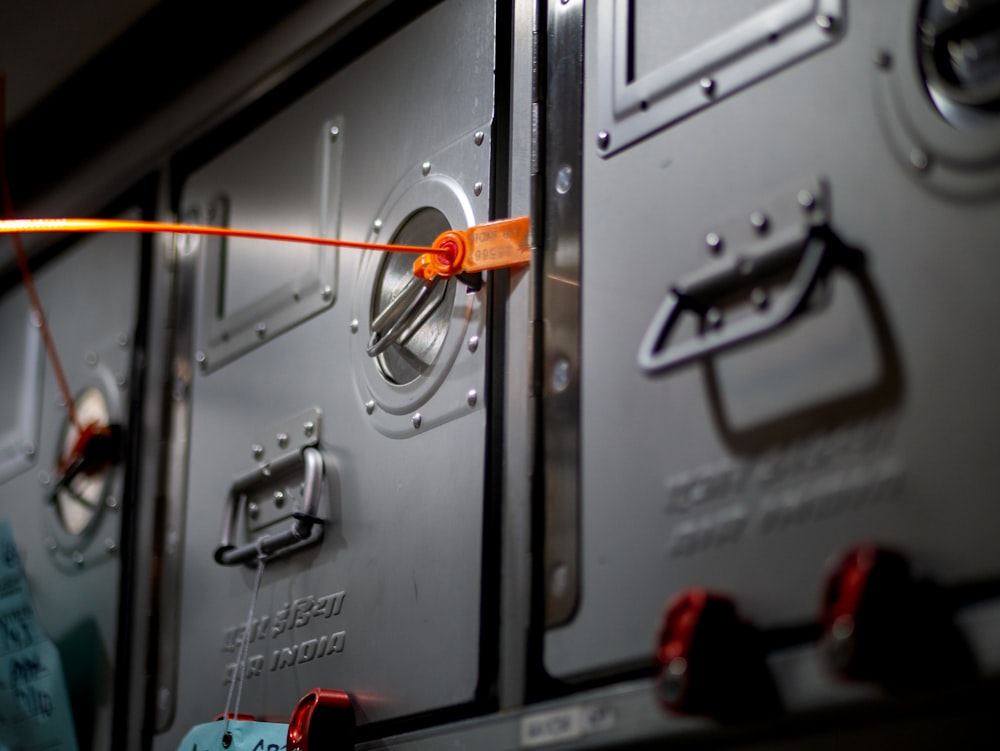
(495, 245)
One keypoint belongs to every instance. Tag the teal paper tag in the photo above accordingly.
(247, 736)
(35, 712)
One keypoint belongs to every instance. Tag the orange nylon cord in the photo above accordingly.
(18, 226)
(22, 263)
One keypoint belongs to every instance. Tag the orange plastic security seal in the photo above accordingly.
(486, 246)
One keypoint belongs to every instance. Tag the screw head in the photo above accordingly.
(91, 359)
(260, 328)
(121, 380)
(418, 420)
(707, 85)
(479, 137)
(111, 502)
(826, 22)
(603, 140)
(473, 343)
(44, 478)
(279, 498)
(201, 359)
(123, 340)
(334, 132)
(309, 427)
(806, 199)
(560, 374)
(377, 225)
(564, 179)
(425, 168)
(78, 558)
(759, 221)
(282, 439)
(28, 448)
(714, 242)
(254, 510)
(713, 318)
(477, 188)
(919, 159)
(327, 292)
(472, 398)
(354, 326)
(110, 545)
(257, 450)
(370, 406)
(759, 298)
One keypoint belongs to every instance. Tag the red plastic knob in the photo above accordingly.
(323, 719)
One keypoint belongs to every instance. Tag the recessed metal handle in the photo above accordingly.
(812, 253)
(390, 324)
(306, 527)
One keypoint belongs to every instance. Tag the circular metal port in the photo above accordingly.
(959, 49)
(406, 345)
(80, 501)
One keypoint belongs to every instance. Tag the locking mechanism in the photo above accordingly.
(274, 509)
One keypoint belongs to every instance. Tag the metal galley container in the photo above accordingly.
(338, 416)
(786, 374)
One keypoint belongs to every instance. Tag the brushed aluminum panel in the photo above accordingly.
(745, 473)
(21, 383)
(91, 298)
(400, 563)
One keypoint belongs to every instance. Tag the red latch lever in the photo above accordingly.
(323, 719)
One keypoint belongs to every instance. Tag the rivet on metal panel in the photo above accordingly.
(28, 448)
(417, 420)
(91, 359)
(377, 225)
(123, 340)
(826, 22)
(260, 328)
(806, 199)
(714, 242)
(603, 140)
(707, 85)
(201, 359)
(50, 543)
(282, 439)
(370, 406)
(919, 159)
(759, 221)
(253, 509)
(60, 402)
(564, 179)
(279, 498)
(334, 132)
(78, 559)
(327, 292)
(759, 298)
(473, 343)
(354, 326)
(472, 398)
(110, 544)
(479, 137)
(425, 168)
(44, 478)
(882, 60)
(477, 188)
(309, 427)
(111, 502)
(121, 380)
(257, 450)
(560, 375)
(714, 318)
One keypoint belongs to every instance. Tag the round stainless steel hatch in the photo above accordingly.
(79, 503)
(422, 335)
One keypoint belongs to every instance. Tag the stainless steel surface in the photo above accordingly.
(560, 291)
(90, 294)
(651, 76)
(870, 419)
(400, 568)
(20, 415)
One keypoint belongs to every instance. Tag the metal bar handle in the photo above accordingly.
(390, 324)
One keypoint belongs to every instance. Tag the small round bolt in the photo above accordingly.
(564, 179)
(479, 137)
(882, 60)
(377, 225)
(473, 343)
(44, 478)
(806, 199)
(28, 448)
(826, 22)
(334, 132)
(370, 406)
(50, 543)
(201, 359)
(355, 325)
(919, 159)
(282, 439)
(713, 318)
(759, 298)
(327, 292)
(260, 328)
(472, 398)
(425, 168)
(559, 378)
(123, 340)
(257, 450)
(308, 427)
(78, 558)
(91, 359)
(110, 545)
(758, 220)
(111, 502)
(279, 498)
(603, 140)
(477, 188)
(121, 380)
(714, 242)
(417, 420)
(707, 85)
(254, 510)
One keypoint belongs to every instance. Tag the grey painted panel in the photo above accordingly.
(746, 473)
(404, 497)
